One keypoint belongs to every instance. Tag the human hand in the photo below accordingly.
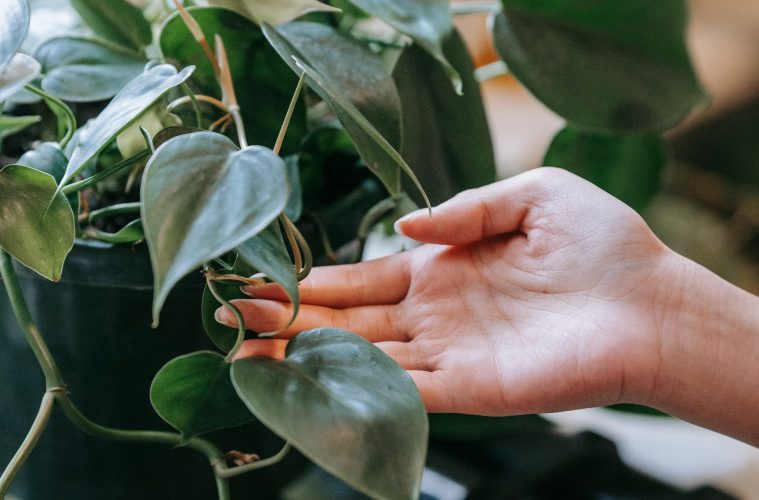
(538, 293)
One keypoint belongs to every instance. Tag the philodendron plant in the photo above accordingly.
(220, 132)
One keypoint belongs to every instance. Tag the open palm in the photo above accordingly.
(534, 294)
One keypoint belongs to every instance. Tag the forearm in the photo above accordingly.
(708, 366)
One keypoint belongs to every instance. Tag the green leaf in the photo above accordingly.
(627, 166)
(37, 236)
(125, 108)
(345, 405)
(263, 82)
(222, 336)
(608, 66)
(21, 70)
(201, 198)
(14, 19)
(195, 395)
(82, 70)
(274, 11)
(294, 207)
(428, 23)
(297, 42)
(266, 252)
(10, 125)
(446, 136)
(47, 157)
(131, 233)
(116, 20)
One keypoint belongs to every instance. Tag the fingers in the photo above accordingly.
(381, 281)
(374, 323)
(479, 213)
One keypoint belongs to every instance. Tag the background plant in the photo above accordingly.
(245, 130)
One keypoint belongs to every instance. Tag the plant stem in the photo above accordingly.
(114, 210)
(227, 472)
(289, 114)
(63, 112)
(85, 183)
(45, 359)
(191, 95)
(35, 432)
(222, 488)
(238, 316)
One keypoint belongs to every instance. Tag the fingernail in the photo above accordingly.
(412, 215)
(220, 315)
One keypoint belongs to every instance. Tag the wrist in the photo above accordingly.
(707, 360)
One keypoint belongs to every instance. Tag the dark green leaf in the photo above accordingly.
(21, 70)
(378, 152)
(38, 237)
(618, 66)
(124, 109)
(266, 252)
(345, 405)
(263, 82)
(131, 233)
(446, 136)
(428, 23)
(222, 336)
(274, 11)
(201, 198)
(294, 206)
(14, 19)
(194, 394)
(116, 20)
(82, 70)
(627, 166)
(48, 158)
(10, 125)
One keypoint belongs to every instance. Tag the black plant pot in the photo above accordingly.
(97, 324)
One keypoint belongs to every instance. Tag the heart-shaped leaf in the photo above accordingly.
(125, 108)
(21, 70)
(378, 152)
(428, 23)
(10, 125)
(14, 19)
(607, 66)
(222, 336)
(344, 404)
(201, 197)
(48, 158)
(195, 395)
(274, 11)
(37, 236)
(627, 166)
(116, 20)
(266, 253)
(83, 70)
(446, 136)
(264, 83)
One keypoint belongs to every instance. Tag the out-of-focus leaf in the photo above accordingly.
(116, 20)
(274, 11)
(446, 136)
(47, 157)
(83, 70)
(627, 166)
(14, 19)
(131, 233)
(10, 125)
(617, 66)
(21, 70)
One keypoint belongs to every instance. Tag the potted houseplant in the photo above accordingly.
(231, 139)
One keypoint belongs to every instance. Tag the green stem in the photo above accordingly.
(374, 215)
(35, 432)
(227, 472)
(53, 377)
(222, 488)
(115, 210)
(308, 258)
(85, 183)
(289, 114)
(238, 316)
(194, 100)
(63, 112)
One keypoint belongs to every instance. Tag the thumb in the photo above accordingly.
(475, 214)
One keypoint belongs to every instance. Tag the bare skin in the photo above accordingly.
(535, 294)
